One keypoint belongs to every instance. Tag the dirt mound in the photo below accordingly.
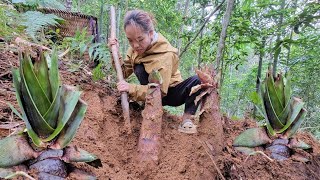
(182, 156)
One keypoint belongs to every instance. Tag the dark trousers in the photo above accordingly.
(177, 95)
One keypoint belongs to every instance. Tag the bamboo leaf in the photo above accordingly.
(275, 99)
(287, 86)
(285, 113)
(14, 110)
(52, 114)
(272, 116)
(296, 107)
(31, 82)
(69, 131)
(279, 89)
(40, 126)
(42, 74)
(54, 73)
(297, 123)
(263, 111)
(16, 81)
(69, 100)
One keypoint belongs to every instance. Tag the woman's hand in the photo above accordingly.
(112, 42)
(123, 86)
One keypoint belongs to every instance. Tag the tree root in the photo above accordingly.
(215, 165)
(19, 173)
(258, 152)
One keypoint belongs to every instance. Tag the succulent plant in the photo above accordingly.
(283, 114)
(52, 114)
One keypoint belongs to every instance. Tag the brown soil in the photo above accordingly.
(102, 132)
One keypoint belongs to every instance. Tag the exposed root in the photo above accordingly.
(259, 152)
(215, 165)
(19, 173)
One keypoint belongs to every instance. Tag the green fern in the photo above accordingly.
(99, 52)
(34, 21)
(41, 3)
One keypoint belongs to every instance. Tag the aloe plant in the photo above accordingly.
(283, 114)
(52, 114)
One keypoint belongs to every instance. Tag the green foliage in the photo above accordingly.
(99, 52)
(27, 5)
(98, 73)
(9, 22)
(35, 21)
(77, 44)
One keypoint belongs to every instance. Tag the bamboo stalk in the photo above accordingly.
(114, 50)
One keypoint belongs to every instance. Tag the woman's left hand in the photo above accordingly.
(123, 86)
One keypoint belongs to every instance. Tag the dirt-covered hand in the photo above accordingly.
(123, 86)
(206, 85)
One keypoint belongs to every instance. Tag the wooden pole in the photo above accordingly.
(114, 50)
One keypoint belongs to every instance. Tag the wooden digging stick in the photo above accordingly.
(114, 50)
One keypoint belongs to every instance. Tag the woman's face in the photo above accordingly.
(139, 40)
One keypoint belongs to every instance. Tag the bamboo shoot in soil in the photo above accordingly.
(149, 140)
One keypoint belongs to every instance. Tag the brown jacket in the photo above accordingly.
(162, 57)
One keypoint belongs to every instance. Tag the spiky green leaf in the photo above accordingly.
(54, 73)
(270, 110)
(14, 110)
(262, 110)
(69, 100)
(39, 125)
(32, 84)
(42, 74)
(17, 81)
(296, 107)
(69, 131)
(296, 124)
(275, 99)
(52, 114)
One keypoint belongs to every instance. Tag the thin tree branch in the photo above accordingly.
(215, 165)
(201, 29)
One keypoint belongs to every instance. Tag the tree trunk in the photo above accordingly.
(101, 18)
(277, 51)
(202, 27)
(223, 34)
(201, 35)
(185, 13)
(150, 133)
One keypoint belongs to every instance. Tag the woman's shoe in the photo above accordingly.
(187, 127)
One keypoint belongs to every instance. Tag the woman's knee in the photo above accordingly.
(139, 69)
(195, 80)
(141, 74)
